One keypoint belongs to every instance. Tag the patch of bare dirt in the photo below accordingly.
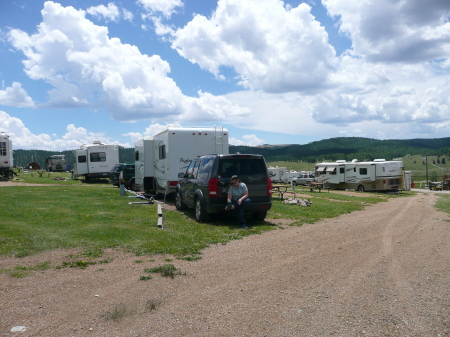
(383, 271)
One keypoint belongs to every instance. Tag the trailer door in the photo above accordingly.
(340, 170)
(373, 172)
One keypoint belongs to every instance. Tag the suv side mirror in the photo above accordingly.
(181, 175)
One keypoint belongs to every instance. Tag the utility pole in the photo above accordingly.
(426, 165)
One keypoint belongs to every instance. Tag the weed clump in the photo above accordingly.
(167, 270)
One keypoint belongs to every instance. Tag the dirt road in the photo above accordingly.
(383, 271)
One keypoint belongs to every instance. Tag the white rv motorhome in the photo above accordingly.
(377, 175)
(56, 162)
(160, 158)
(278, 174)
(6, 157)
(95, 161)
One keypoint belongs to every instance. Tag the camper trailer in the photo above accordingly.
(377, 175)
(291, 174)
(6, 157)
(56, 162)
(160, 158)
(95, 160)
(278, 174)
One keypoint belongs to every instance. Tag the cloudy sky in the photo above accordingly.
(269, 71)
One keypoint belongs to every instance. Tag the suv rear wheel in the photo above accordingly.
(294, 183)
(200, 213)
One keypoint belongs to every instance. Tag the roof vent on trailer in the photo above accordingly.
(380, 160)
(355, 161)
(340, 161)
(97, 142)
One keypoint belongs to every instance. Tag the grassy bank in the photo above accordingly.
(93, 217)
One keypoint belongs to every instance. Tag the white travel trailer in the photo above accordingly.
(377, 175)
(278, 174)
(95, 161)
(291, 174)
(6, 157)
(57, 162)
(160, 158)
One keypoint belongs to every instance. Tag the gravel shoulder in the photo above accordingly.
(383, 271)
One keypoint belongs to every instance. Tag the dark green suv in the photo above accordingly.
(205, 183)
(127, 175)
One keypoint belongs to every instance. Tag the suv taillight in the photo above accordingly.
(213, 188)
(269, 186)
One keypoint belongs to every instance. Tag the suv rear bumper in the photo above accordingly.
(251, 207)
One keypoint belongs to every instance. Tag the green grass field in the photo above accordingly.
(93, 216)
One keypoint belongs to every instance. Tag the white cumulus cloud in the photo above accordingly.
(16, 96)
(270, 46)
(90, 70)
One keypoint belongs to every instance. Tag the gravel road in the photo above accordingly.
(383, 271)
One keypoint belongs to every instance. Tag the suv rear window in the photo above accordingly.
(249, 170)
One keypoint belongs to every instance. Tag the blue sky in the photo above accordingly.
(271, 72)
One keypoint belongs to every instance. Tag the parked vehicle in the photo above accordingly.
(123, 173)
(291, 174)
(56, 162)
(95, 161)
(204, 184)
(303, 179)
(278, 174)
(160, 158)
(377, 175)
(126, 177)
(436, 186)
(115, 173)
(6, 157)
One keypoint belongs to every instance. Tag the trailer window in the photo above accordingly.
(162, 152)
(98, 156)
(2, 148)
(342, 169)
(362, 171)
(81, 159)
(136, 155)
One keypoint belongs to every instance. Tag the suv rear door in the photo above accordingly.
(250, 169)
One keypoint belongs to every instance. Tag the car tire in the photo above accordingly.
(294, 183)
(361, 188)
(179, 202)
(200, 213)
(261, 215)
(133, 185)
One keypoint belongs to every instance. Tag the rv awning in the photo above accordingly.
(321, 168)
(331, 168)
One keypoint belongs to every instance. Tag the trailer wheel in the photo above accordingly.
(200, 212)
(179, 202)
(361, 188)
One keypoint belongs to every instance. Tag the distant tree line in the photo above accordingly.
(340, 148)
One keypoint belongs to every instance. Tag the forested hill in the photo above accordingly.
(342, 148)
(348, 148)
